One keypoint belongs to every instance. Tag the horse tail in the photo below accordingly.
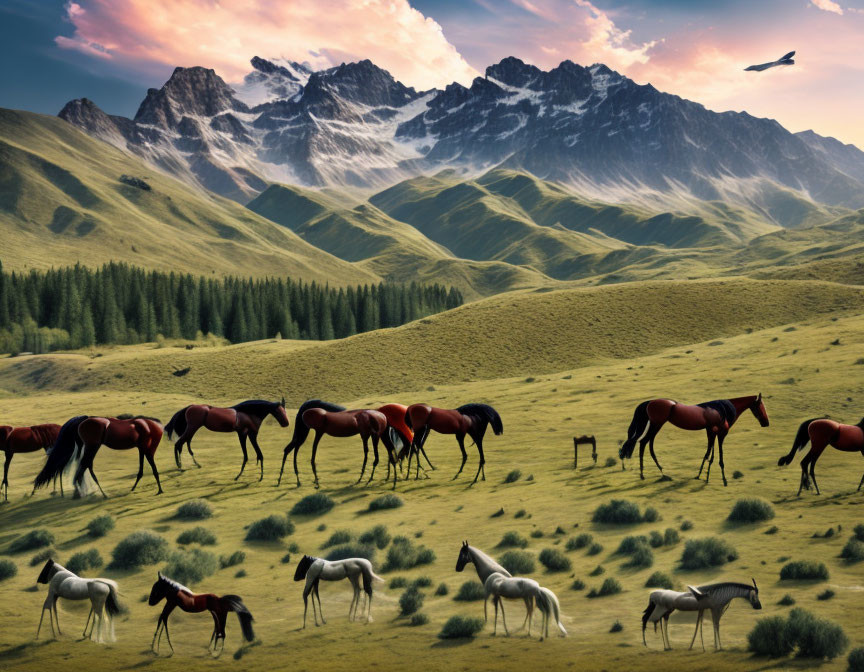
(112, 603)
(548, 603)
(645, 616)
(235, 603)
(61, 452)
(802, 438)
(637, 427)
(177, 424)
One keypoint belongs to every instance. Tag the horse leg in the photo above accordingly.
(168, 636)
(494, 604)
(155, 471)
(154, 644)
(478, 439)
(707, 454)
(57, 614)
(306, 606)
(503, 618)
(259, 456)
(815, 453)
(860, 483)
(241, 435)
(87, 622)
(320, 608)
(355, 586)
(695, 632)
(365, 456)
(6, 475)
(423, 450)
(460, 437)
(318, 435)
(374, 461)
(720, 439)
(140, 470)
(96, 480)
(805, 479)
(711, 458)
(191, 454)
(289, 448)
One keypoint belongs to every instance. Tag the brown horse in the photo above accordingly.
(365, 422)
(821, 433)
(244, 418)
(123, 433)
(470, 419)
(715, 417)
(25, 440)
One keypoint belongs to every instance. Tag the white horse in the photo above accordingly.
(499, 586)
(315, 569)
(102, 594)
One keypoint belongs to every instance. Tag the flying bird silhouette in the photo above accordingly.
(783, 60)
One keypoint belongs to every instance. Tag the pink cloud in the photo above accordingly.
(225, 34)
(827, 6)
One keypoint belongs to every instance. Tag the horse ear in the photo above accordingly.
(282, 403)
(159, 575)
(759, 398)
(755, 587)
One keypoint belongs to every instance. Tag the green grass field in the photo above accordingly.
(555, 364)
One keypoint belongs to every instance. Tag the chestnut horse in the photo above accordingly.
(400, 434)
(821, 433)
(470, 419)
(25, 440)
(244, 418)
(715, 417)
(123, 433)
(365, 422)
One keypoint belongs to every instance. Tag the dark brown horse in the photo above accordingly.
(715, 417)
(365, 422)
(470, 419)
(92, 433)
(25, 440)
(399, 433)
(176, 595)
(821, 433)
(244, 418)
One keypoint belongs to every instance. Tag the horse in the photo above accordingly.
(715, 417)
(485, 567)
(715, 596)
(498, 586)
(123, 433)
(313, 570)
(470, 419)
(177, 595)
(365, 422)
(25, 440)
(400, 434)
(821, 433)
(244, 418)
(102, 593)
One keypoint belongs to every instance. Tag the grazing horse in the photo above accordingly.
(470, 419)
(715, 596)
(498, 586)
(365, 422)
(244, 418)
(177, 595)
(715, 417)
(313, 570)
(93, 432)
(400, 434)
(485, 566)
(821, 433)
(102, 594)
(25, 440)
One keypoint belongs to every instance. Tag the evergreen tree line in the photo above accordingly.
(76, 307)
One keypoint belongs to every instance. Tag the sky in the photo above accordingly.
(111, 51)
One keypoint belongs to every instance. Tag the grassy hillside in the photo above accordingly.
(790, 356)
(62, 201)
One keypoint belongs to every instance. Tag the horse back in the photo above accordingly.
(418, 415)
(395, 414)
(27, 439)
(847, 437)
(218, 419)
(448, 421)
(685, 416)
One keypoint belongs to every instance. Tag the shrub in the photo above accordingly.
(196, 509)
(352, 551)
(616, 627)
(41, 557)
(641, 558)
(786, 601)
(536, 534)
(139, 548)
(671, 537)
(419, 619)
(31, 541)
(629, 545)
(651, 515)
(578, 542)
(404, 555)
(377, 536)
(521, 513)
(554, 560)
(597, 571)
(422, 582)
(337, 539)
(459, 627)
(240, 573)
(470, 591)
(385, 502)
(686, 525)
(609, 587)
(772, 530)
(804, 570)
(737, 474)
(197, 535)
(610, 462)
(513, 476)
(84, 560)
(578, 584)
(285, 559)
(8, 569)
(659, 580)
(271, 528)
(595, 549)
(410, 601)
(855, 660)
(314, 504)
(770, 637)
(617, 512)
(517, 562)
(815, 637)
(858, 531)
(559, 530)
(191, 566)
(750, 510)
(655, 539)
(100, 526)
(826, 594)
(442, 589)
(236, 558)
(707, 552)
(853, 551)
(397, 582)
(512, 540)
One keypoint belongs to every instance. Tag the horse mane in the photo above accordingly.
(259, 407)
(485, 413)
(711, 587)
(724, 407)
(500, 569)
(130, 416)
(174, 584)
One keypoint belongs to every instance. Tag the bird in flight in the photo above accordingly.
(783, 60)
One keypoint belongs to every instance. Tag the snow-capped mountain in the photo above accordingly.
(355, 125)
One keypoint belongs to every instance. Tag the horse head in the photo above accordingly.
(47, 572)
(159, 591)
(303, 567)
(754, 596)
(758, 409)
(280, 413)
(464, 556)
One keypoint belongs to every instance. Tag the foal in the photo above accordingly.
(314, 569)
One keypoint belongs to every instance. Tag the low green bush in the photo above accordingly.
(377, 536)
(554, 560)
(337, 539)
(659, 580)
(385, 502)
(422, 582)
(460, 627)
(8, 569)
(750, 510)
(595, 549)
(403, 554)
(139, 548)
(578, 584)
(770, 637)
(419, 619)
(786, 601)
(397, 582)
(197, 535)
(804, 570)
(826, 594)
(617, 512)
(191, 566)
(84, 560)
(610, 586)
(597, 571)
(410, 601)
(815, 637)
(853, 551)
(707, 552)
(578, 542)
(42, 556)
(512, 540)
(236, 558)
(517, 562)
(100, 526)
(31, 541)
(655, 539)
(195, 509)
(442, 589)
(855, 661)
(536, 534)
(616, 627)
(671, 537)
(513, 476)
(470, 591)
(352, 551)
(858, 531)
(271, 528)
(314, 504)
